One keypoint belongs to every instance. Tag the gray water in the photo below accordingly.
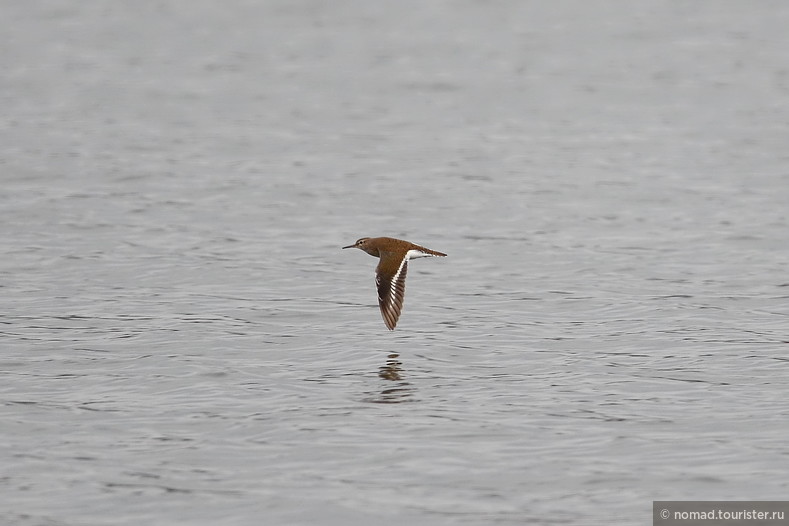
(183, 341)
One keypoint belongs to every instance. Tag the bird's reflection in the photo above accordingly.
(392, 369)
(398, 390)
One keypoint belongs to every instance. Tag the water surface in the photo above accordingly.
(184, 342)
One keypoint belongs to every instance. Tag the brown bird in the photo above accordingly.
(391, 270)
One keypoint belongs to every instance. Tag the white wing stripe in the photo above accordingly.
(393, 284)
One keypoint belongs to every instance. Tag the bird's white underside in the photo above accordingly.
(413, 254)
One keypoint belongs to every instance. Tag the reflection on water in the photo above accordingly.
(398, 390)
(392, 369)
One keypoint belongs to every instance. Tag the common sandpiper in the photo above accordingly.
(391, 270)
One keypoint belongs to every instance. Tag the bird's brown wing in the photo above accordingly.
(391, 290)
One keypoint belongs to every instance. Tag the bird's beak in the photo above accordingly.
(350, 246)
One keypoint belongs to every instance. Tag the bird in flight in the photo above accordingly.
(391, 271)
